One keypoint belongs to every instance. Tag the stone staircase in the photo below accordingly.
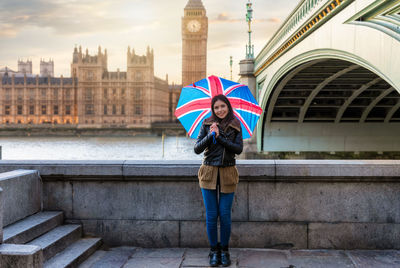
(62, 245)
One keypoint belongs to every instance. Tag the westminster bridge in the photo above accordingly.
(328, 80)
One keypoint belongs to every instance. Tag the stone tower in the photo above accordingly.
(87, 67)
(140, 68)
(88, 70)
(46, 68)
(25, 67)
(140, 71)
(194, 42)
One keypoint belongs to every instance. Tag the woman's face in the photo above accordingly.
(221, 109)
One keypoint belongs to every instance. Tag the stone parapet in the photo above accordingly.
(178, 170)
(278, 203)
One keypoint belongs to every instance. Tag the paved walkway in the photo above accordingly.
(130, 257)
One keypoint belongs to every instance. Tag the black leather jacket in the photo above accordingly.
(222, 153)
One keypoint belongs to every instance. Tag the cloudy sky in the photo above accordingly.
(46, 29)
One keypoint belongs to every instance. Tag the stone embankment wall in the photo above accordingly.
(278, 204)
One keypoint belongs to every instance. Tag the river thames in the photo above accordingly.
(97, 148)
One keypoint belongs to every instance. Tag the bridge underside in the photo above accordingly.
(332, 105)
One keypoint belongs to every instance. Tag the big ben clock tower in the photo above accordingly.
(194, 42)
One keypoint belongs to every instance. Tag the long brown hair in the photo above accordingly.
(230, 117)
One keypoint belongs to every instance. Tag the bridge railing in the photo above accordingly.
(300, 13)
(306, 17)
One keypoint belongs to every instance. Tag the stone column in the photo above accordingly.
(247, 78)
(247, 74)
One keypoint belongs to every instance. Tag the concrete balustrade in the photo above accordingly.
(278, 204)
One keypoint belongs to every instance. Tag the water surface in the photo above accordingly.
(97, 148)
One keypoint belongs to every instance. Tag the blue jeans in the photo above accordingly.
(215, 208)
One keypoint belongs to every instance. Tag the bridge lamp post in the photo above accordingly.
(247, 74)
(249, 17)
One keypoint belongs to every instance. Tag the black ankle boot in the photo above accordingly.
(219, 253)
(215, 257)
(225, 256)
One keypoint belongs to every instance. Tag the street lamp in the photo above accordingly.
(249, 17)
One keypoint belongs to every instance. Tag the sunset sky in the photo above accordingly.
(46, 29)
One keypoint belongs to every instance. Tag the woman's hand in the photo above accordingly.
(214, 127)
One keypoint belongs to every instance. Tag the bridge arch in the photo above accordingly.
(312, 105)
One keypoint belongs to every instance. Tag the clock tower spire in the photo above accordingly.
(194, 42)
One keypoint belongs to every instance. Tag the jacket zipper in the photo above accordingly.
(223, 156)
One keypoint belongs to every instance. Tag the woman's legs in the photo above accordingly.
(211, 204)
(225, 210)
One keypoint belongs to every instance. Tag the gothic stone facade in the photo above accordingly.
(92, 97)
(40, 100)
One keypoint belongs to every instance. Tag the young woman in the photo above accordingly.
(220, 138)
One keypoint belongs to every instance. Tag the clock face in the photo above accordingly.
(193, 26)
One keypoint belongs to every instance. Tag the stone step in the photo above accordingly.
(57, 239)
(75, 254)
(17, 256)
(31, 227)
(95, 257)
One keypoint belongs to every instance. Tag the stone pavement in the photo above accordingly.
(131, 257)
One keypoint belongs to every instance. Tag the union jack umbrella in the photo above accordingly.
(194, 104)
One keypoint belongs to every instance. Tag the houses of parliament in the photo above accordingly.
(93, 97)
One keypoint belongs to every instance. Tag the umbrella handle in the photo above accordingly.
(213, 135)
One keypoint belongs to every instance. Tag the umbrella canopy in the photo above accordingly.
(194, 104)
